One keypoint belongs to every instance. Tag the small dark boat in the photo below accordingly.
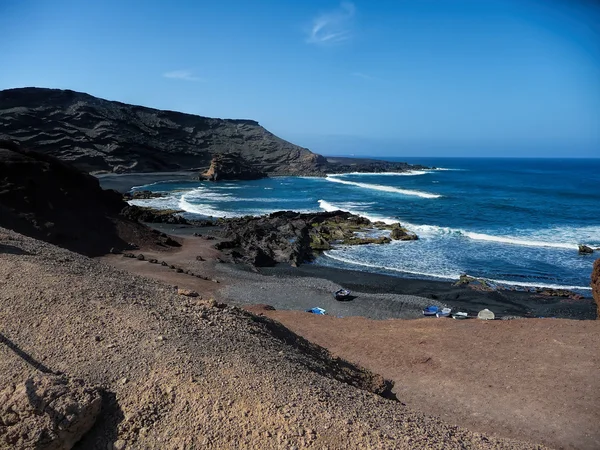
(342, 294)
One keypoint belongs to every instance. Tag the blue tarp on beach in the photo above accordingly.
(316, 310)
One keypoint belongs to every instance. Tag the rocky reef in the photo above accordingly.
(596, 285)
(291, 237)
(340, 164)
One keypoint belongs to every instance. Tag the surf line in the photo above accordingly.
(382, 188)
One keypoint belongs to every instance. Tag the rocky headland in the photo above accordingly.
(103, 136)
(94, 356)
(291, 237)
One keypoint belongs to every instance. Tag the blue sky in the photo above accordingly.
(403, 78)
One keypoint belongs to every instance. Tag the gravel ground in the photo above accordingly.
(301, 293)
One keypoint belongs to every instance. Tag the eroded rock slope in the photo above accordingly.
(101, 135)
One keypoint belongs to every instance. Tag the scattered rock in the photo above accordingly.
(585, 250)
(187, 292)
(47, 411)
(140, 257)
(200, 258)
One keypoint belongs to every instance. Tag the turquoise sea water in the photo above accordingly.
(515, 221)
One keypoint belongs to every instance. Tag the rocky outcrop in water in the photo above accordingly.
(585, 250)
(232, 166)
(100, 135)
(349, 165)
(596, 286)
(291, 237)
(48, 199)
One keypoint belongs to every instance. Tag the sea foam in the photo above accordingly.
(383, 188)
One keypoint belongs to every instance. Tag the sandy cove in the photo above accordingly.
(530, 379)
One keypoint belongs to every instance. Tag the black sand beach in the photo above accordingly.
(376, 296)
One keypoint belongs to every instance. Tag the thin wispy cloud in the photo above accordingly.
(185, 75)
(366, 76)
(332, 27)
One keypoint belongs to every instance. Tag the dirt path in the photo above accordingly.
(535, 379)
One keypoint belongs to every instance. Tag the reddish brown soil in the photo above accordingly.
(532, 379)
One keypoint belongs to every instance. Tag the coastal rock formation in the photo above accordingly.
(400, 233)
(340, 164)
(43, 197)
(585, 250)
(180, 372)
(291, 237)
(151, 215)
(47, 411)
(596, 286)
(231, 166)
(100, 135)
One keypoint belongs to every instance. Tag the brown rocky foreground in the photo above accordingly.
(529, 379)
(175, 371)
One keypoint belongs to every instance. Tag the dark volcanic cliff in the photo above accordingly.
(101, 135)
(45, 198)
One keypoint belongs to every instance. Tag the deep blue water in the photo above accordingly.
(512, 220)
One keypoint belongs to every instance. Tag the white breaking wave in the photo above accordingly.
(397, 174)
(434, 230)
(517, 241)
(540, 285)
(326, 206)
(380, 187)
(454, 276)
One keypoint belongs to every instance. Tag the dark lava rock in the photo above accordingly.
(151, 215)
(346, 165)
(232, 166)
(45, 198)
(399, 233)
(142, 195)
(291, 237)
(99, 135)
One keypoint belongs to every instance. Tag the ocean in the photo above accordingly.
(516, 222)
